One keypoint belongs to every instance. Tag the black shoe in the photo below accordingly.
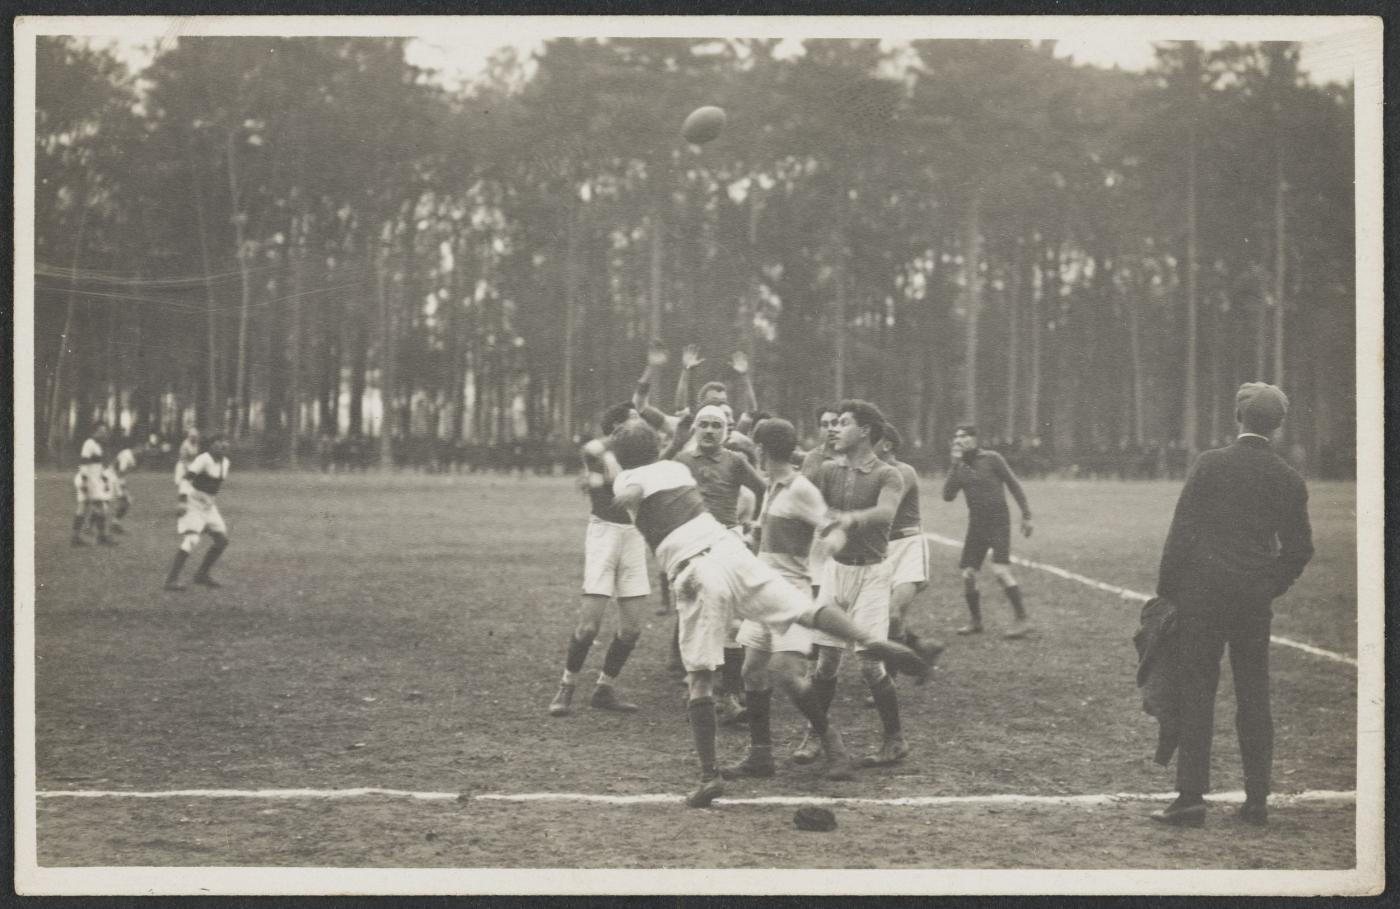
(204, 580)
(897, 655)
(106, 541)
(757, 763)
(707, 792)
(605, 698)
(563, 703)
(1178, 815)
(973, 628)
(929, 652)
(1255, 813)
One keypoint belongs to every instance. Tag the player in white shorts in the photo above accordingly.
(92, 488)
(614, 565)
(116, 472)
(908, 550)
(199, 513)
(793, 509)
(713, 576)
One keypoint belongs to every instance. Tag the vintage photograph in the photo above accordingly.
(698, 455)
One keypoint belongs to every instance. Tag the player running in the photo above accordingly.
(93, 491)
(614, 565)
(792, 511)
(713, 576)
(115, 474)
(199, 514)
(983, 477)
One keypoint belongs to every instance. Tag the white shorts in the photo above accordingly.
(863, 593)
(201, 516)
(614, 560)
(908, 558)
(798, 638)
(91, 489)
(727, 582)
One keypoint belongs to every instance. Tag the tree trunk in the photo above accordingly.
(1189, 419)
(1013, 341)
(570, 317)
(839, 316)
(65, 341)
(297, 243)
(387, 347)
(1135, 355)
(972, 283)
(1280, 267)
(1040, 302)
(213, 418)
(240, 391)
(657, 250)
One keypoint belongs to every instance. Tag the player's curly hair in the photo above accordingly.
(826, 409)
(867, 416)
(635, 445)
(778, 438)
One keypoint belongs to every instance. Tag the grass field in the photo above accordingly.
(408, 631)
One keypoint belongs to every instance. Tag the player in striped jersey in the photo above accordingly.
(713, 576)
(792, 511)
(199, 513)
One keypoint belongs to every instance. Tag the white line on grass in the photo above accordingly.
(1319, 796)
(1137, 595)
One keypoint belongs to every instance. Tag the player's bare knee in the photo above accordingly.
(969, 577)
(701, 684)
(628, 633)
(188, 542)
(1003, 575)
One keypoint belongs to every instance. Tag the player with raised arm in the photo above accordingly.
(614, 565)
(713, 576)
(792, 511)
(189, 450)
(199, 513)
(983, 478)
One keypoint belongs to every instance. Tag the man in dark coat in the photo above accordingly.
(1239, 538)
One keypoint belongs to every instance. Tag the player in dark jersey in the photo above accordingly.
(908, 550)
(720, 473)
(714, 575)
(864, 493)
(983, 478)
(614, 565)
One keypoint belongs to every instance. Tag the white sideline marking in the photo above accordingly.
(1322, 796)
(1137, 595)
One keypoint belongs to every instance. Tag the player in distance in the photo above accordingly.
(199, 512)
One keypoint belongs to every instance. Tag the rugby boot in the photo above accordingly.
(1254, 811)
(839, 765)
(757, 763)
(971, 628)
(809, 750)
(605, 698)
(898, 656)
(172, 579)
(563, 703)
(729, 712)
(1019, 629)
(204, 580)
(892, 751)
(710, 788)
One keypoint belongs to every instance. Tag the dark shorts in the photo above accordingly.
(982, 537)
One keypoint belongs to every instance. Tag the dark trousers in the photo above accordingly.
(1207, 622)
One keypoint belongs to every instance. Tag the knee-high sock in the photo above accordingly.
(616, 657)
(809, 701)
(760, 726)
(578, 652)
(1013, 593)
(974, 604)
(702, 727)
(78, 525)
(177, 566)
(824, 692)
(886, 704)
(211, 557)
(732, 673)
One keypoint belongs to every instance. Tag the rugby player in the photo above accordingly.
(864, 493)
(713, 576)
(199, 513)
(93, 491)
(614, 565)
(908, 550)
(792, 511)
(983, 477)
(115, 474)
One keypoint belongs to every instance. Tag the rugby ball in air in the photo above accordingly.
(703, 125)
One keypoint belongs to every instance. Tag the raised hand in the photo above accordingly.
(656, 353)
(690, 356)
(739, 362)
